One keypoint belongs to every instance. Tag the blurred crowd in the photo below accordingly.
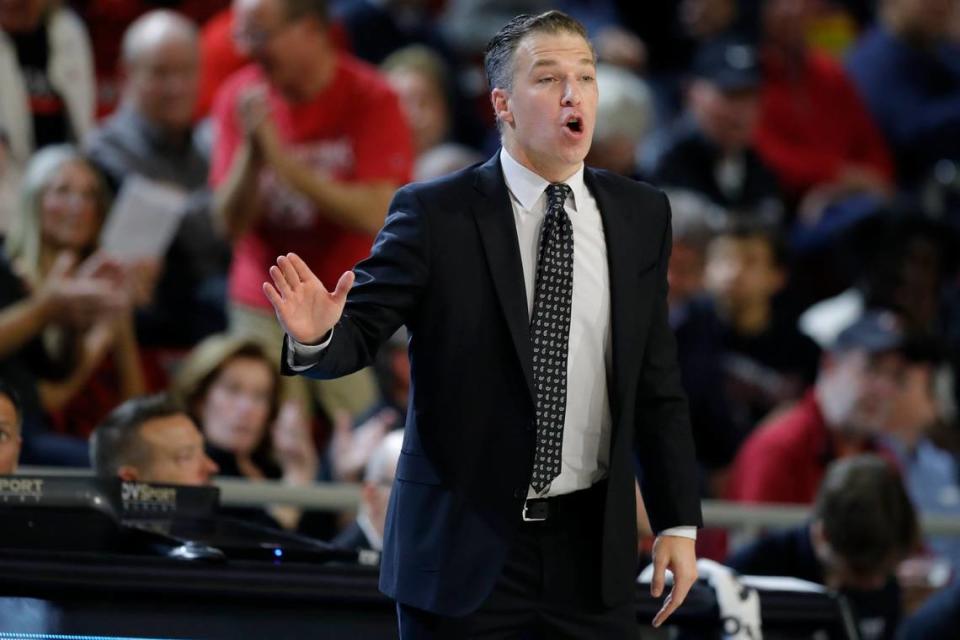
(810, 150)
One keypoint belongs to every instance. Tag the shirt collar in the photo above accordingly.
(153, 134)
(527, 186)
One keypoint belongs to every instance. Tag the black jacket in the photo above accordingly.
(447, 265)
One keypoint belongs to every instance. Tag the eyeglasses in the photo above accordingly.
(65, 192)
(256, 39)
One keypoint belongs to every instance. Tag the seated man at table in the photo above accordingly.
(10, 417)
(862, 526)
(151, 439)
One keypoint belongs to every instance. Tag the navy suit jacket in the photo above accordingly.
(447, 265)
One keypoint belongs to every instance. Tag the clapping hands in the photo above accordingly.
(253, 111)
(79, 295)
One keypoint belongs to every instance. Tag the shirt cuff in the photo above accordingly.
(680, 532)
(301, 357)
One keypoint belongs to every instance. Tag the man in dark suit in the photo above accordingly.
(534, 293)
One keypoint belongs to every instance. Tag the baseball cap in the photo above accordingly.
(731, 63)
(874, 331)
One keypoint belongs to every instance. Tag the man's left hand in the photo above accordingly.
(679, 555)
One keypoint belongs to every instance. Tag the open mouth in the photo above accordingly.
(574, 124)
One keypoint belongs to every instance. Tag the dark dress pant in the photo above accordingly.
(549, 587)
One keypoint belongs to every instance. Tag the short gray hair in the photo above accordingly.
(625, 107)
(498, 57)
(151, 28)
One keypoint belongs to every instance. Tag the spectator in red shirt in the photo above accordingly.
(814, 131)
(220, 57)
(785, 460)
(310, 145)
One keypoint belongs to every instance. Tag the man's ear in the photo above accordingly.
(500, 99)
(128, 473)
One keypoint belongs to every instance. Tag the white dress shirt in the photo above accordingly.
(585, 453)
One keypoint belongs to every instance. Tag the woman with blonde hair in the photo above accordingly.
(64, 307)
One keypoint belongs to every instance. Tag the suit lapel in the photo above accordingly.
(498, 232)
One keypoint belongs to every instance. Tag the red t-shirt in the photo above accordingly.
(353, 131)
(785, 460)
(813, 123)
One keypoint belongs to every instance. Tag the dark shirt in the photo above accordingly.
(939, 617)
(33, 355)
(51, 123)
(52, 355)
(23, 370)
(690, 162)
(662, 27)
(790, 553)
(316, 524)
(375, 31)
(229, 467)
(129, 144)
(784, 553)
(914, 96)
(766, 369)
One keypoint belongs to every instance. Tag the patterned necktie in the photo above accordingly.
(549, 331)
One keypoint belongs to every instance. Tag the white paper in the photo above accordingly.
(143, 220)
(782, 583)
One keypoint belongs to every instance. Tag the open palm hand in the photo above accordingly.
(304, 307)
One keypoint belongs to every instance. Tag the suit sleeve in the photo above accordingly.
(385, 294)
(664, 438)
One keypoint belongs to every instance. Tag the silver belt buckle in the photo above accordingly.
(528, 517)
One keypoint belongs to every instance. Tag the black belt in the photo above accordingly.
(537, 509)
(544, 509)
